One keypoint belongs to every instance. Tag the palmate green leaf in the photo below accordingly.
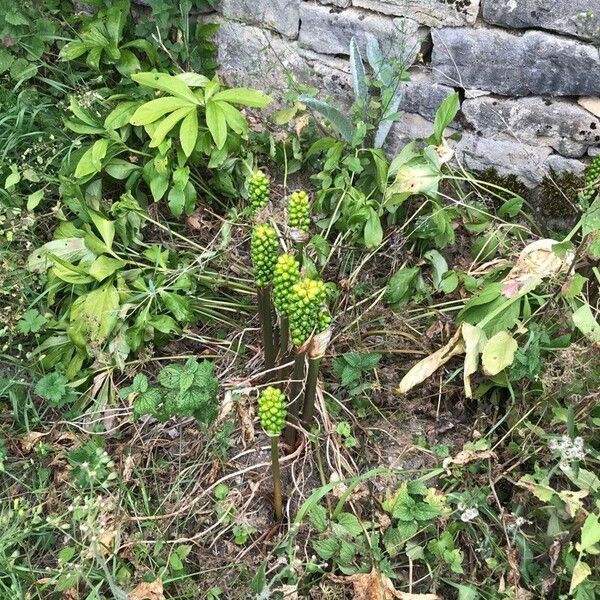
(217, 123)
(188, 132)
(342, 124)
(168, 123)
(153, 110)
(235, 119)
(245, 96)
(166, 83)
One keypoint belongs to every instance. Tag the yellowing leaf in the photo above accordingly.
(498, 353)
(426, 367)
(474, 339)
(580, 573)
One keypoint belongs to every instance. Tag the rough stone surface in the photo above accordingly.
(507, 157)
(560, 164)
(433, 13)
(328, 31)
(534, 63)
(409, 127)
(338, 3)
(280, 15)
(564, 126)
(591, 105)
(423, 95)
(580, 18)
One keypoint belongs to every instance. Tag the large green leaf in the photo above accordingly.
(235, 119)
(166, 83)
(340, 122)
(153, 110)
(168, 123)
(245, 96)
(217, 124)
(188, 132)
(70, 249)
(359, 77)
(445, 115)
(98, 312)
(498, 353)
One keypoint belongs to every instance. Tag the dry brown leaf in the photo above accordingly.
(301, 123)
(464, 457)
(536, 261)
(30, 439)
(148, 591)
(377, 586)
(429, 365)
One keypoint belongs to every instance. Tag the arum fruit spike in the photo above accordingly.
(308, 296)
(592, 181)
(272, 413)
(286, 275)
(259, 191)
(299, 211)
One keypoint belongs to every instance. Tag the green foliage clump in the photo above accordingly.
(271, 410)
(259, 191)
(592, 181)
(298, 210)
(285, 276)
(188, 390)
(306, 308)
(263, 251)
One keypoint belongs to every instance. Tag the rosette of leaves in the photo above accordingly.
(259, 191)
(272, 411)
(299, 211)
(306, 306)
(263, 251)
(188, 390)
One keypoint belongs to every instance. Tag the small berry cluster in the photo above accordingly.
(306, 307)
(271, 410)
(592, 180)
(286, 275)
(298, 211)
(263, 251)
(259, 191)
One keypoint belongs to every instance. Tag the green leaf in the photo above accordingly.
(158, 187)
(439, 266)
(155, 109)
(6, 60)
(188, 133)
(373, 231)
(120, 115)
(178, 306)
(590, 533)
(167, 124)
(52, 387)
(498, 353)
(70, 249)
(235, 119)
(99, 311)
(445, 115)
(326, 548)
(176, 200)
(166, 83)
(31, 321)
(317, 516)
(342, 124)
(104, 267)
(245, 96)
(401, 285)
(105, 227)
(217, 124)
(350, 523)
(359, 78)
(585, 321)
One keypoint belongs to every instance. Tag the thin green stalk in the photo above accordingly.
(284, 337)
(295, 397)
(277, 496)
(266, 325)
(311, 390)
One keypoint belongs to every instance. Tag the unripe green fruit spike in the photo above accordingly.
(592, 181)
(259, 191)
(285, 276)
(299, 211)
(263, 251)
(271, 410)
(307, 298)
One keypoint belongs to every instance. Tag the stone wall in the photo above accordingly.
(528, 70)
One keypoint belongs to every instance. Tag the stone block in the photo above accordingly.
(560, 164)
(423, 95)
(580, 18)
(507, 157)
(338, 3)
(410, 127)
(560, 124)
(282, 16)
(329, 31)
(433, 13)
(535, 63)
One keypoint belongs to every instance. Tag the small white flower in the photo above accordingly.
(469, 514)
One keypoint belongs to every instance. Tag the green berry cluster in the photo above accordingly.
(324, 321)
(298, 211)
(271, 410)
(263, 251)
(592, 180)
(306, 305)
(287, 273)
(259, 191)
